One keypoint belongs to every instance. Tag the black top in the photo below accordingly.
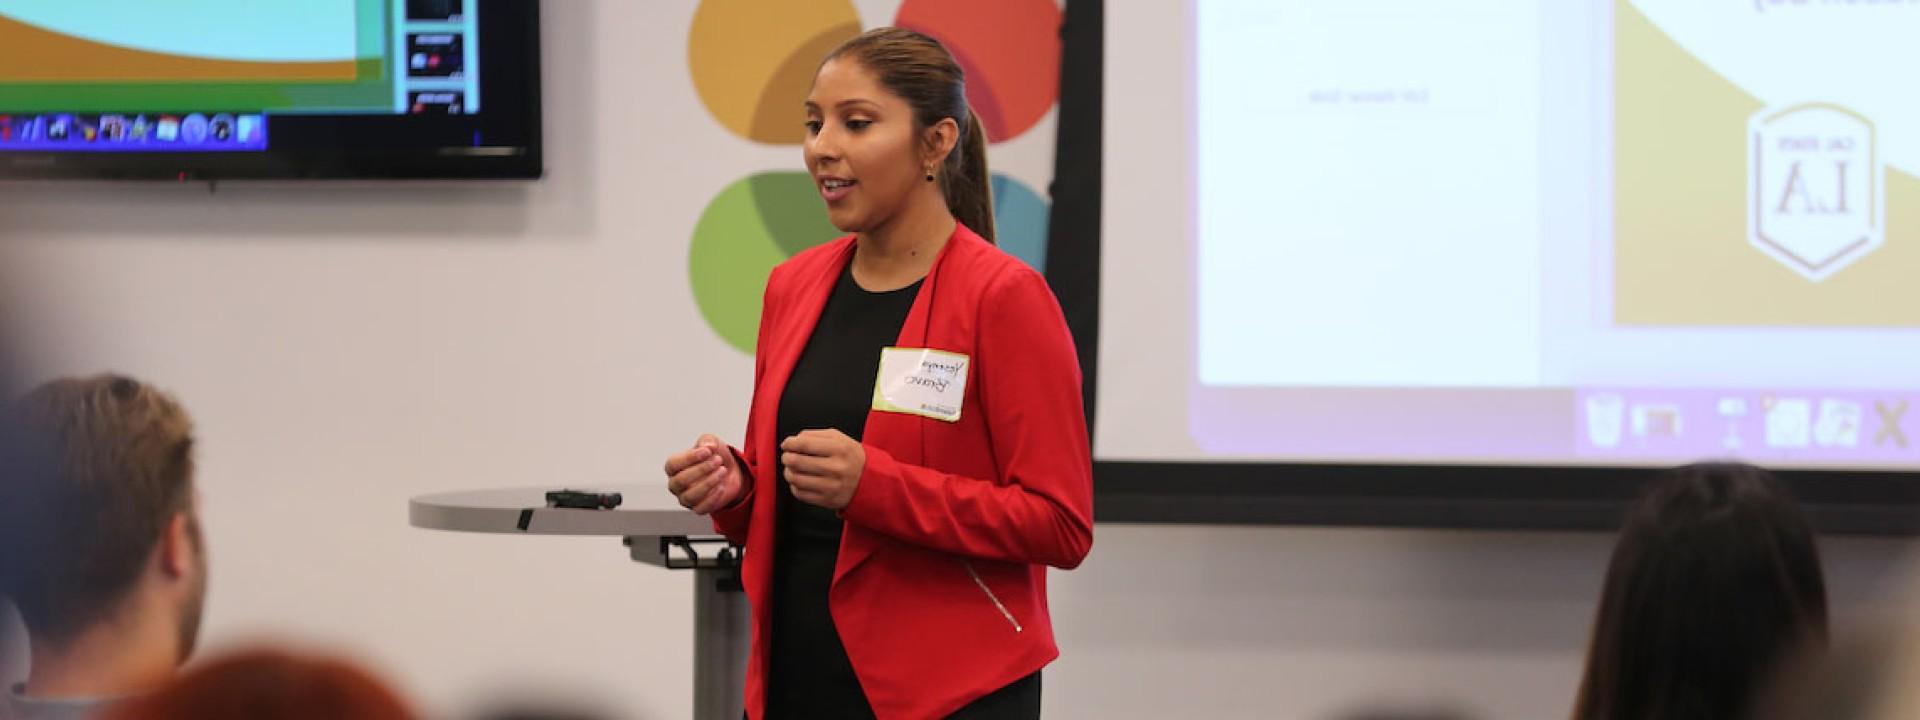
(831, 387)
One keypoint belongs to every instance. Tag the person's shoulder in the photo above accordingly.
(991, 267)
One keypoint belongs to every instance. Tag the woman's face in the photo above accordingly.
(865, 155)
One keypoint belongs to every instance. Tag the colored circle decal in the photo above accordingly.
(1020, 221)
(756, 223)
(753, 62)
(1010, 50)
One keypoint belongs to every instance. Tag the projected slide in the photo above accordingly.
(208, 75)
(1528, 231)
(1829, 149)
(311, 56)
(178, 40)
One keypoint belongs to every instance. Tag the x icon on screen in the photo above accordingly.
(1890, 415)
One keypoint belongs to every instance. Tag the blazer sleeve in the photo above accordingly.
(1041, 510)
(732, 521)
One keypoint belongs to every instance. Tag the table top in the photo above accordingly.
(502, 511)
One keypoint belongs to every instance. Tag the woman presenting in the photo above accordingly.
(916, 452)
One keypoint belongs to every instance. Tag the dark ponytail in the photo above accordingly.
(920, 70)
(965, 180)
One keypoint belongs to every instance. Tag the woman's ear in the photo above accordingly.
(939, 141)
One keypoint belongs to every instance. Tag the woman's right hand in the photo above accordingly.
(705, 477)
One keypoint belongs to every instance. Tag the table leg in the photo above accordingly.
(721, 631)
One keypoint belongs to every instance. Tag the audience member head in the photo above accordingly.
(1715, 579)
(268, 685)
(100, 546)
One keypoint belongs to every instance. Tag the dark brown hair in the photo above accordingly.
(1715, 580)
(269, 685)
(96, 469)
(919, 70)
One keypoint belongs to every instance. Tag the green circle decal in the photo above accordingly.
(756, 223)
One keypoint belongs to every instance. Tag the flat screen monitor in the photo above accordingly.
(215, 89)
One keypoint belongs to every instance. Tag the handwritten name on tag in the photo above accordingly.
(921, 381)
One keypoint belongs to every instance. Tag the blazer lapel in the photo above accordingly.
(901, 435)
(784, 345)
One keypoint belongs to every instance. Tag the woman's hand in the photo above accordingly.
(705, 477)
(823, 467)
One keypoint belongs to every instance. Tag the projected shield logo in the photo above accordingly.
(1817, 198)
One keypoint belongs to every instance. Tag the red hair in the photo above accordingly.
(268, 685)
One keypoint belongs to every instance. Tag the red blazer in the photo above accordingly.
(940, 589)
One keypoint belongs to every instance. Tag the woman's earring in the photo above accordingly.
(929, 174)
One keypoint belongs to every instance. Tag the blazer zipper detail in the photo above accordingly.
(1002, 607)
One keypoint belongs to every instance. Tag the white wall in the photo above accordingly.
(346, 346)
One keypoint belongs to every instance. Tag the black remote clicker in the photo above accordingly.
(583, 499)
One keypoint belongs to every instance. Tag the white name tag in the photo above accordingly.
(921, 381)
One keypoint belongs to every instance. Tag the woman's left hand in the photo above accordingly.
(823, 467)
